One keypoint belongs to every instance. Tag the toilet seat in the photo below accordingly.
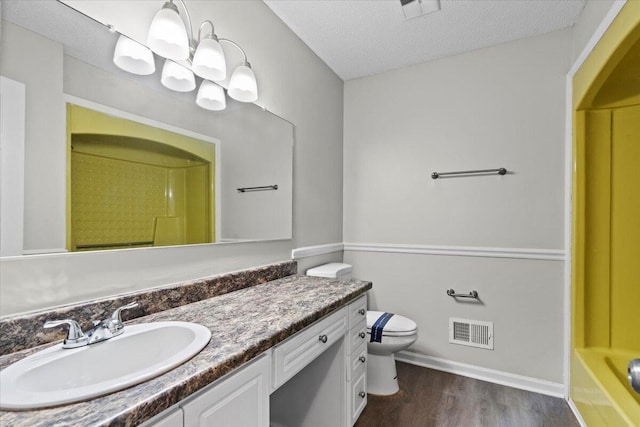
(397, 326)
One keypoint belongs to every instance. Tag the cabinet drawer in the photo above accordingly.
(294, 354)
(358, 397)
(358, 362)
(358, 311)
(357, 336)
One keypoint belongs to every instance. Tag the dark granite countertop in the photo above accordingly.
(244, 324)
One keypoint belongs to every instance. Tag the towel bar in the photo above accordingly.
(262, 188)
(472, 294)
(499, 171)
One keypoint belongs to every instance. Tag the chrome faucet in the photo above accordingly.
(75, 337)
(102, 329)
(108, 328)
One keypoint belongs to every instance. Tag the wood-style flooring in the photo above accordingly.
(433, 398)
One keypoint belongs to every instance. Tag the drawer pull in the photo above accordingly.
(362, 335)
(362, 311)
(362, 394)
(362, 359)
(323, 338)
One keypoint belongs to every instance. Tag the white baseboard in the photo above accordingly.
(309, 251)
(575, 411)
(491, 375)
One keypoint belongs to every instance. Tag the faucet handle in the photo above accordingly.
(109, 328)
(75, 336)
(116, 314)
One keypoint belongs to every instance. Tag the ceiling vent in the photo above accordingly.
(415, 8)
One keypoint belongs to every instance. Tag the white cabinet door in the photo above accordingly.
(172, 417)
(241, 400)
(358, 397)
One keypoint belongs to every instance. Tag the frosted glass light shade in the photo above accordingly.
(243, 86)
(133, 57)
(211, 96)
(167, 35)
(176, 77)
(208, 61)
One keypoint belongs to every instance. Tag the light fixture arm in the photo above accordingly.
(211, 35)
(186, 12)
(193, 42)
(245, 62)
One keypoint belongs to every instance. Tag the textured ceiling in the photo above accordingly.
(82, 37)
(363, 37)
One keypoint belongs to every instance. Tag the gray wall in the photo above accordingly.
(294, 84)
(256, 150)
(41, 70)
(497, 107)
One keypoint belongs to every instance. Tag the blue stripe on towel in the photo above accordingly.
(378, 326)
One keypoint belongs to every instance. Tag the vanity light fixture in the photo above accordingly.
(176, 77)
(167, 35)
(242, 86)
(133, 57)
(211, 96)
(169, 38)
(208, 60)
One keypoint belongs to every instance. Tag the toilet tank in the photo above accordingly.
(333, 270)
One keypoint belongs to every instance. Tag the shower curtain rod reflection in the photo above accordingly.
(262, 188)
(499, 171)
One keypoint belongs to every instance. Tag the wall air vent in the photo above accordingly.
(473, 333)
(415, 8)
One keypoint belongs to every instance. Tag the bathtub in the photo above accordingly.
(600, 389)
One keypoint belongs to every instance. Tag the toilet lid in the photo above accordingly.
(396, 326)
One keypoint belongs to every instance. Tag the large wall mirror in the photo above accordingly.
(114, 160)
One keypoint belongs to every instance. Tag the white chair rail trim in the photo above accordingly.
(309, 251)
(474, 251)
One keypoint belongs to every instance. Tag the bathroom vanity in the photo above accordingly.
(288, 352)
(298, 382)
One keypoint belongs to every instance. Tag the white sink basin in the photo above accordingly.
(57, 376)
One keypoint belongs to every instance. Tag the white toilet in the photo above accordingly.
(397, 334)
